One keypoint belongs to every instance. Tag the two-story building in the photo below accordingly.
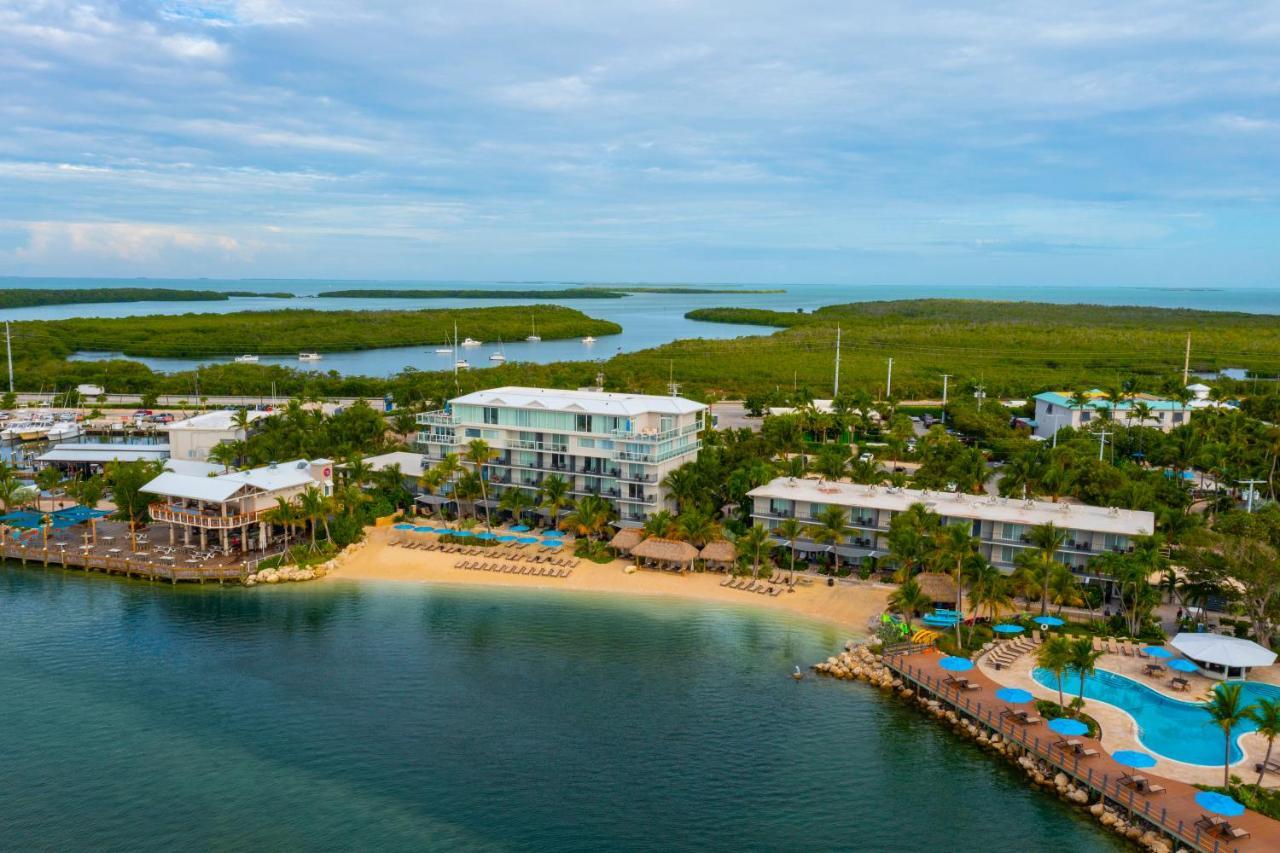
(617, 446)
(225, 512)
(1001, 525)
(1057, 410)
(193, 437)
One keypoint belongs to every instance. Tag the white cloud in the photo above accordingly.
(125, 241)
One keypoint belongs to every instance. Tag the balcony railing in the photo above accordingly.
(447, 439)
(642, 499)
(655, 436)
(438, 418)
(193, 518)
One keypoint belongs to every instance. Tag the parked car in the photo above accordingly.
(143, 413)
(867, 457)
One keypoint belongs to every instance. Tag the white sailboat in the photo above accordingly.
(533, 338)
(500, 355)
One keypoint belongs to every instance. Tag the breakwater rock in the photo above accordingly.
(293, 574)
(858, 662)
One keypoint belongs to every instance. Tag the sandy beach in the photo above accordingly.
(850, 607)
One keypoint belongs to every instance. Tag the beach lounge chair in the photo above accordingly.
(1235, 832)
(1097, 645)
(1035, 637)
(1112, 647)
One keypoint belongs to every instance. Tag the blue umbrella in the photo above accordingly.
(520, 528)
(527, 540)
(553, 533)
(1013, 695)
(422, 528)
(1133, 758)
(1068, 727)
(1219, 803)
(954, 664)
(404, 527)
(1157, 651)
(504, 538)
(1048, 621)
(1007, 629)
(486, 535)
(552, 543)
(1182, 665)
(461, 533)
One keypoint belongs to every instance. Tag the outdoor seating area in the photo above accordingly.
(1021, 715)
(1003, 654)
(506, 560)
(509, 564)
(1075, 746)
(1221, 827)
(769, 587)
(1140, 784)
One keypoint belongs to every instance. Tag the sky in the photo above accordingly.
(661, 141)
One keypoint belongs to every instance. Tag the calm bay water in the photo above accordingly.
(388, 717)
(648, 319)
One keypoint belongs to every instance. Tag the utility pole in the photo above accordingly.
(836, 392)
(1250, 484)
(8, 349)
(945, 377)
(1186, 362)
(1102, 442)
(888, 386)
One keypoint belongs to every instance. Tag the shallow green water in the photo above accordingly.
(387, 717)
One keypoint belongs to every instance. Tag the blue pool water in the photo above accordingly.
(1169, 727)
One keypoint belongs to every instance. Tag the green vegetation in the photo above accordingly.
(592, 292)
(29, 297)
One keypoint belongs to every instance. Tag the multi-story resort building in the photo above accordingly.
(618, 446)
(1002, 525)
(1057, 410)
(225, 512)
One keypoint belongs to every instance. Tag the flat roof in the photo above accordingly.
(103, 453)
(958, 505)
(221, 420)
(410, 463)
(584, 402)
(1099, 400)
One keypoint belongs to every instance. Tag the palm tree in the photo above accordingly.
(313, 507)
(988, 588)
(554, 496)
(755, 544)
(1227, 710)
(790, 529)
(1266, 713)
(515, 501)
(683, 485)
(591, 514)
(954, 546)
(284, 514)
(1055, 656)
(833, 527)
(479, 454)
(911, 538)
(224, 454)
(358, 471)
(1084, 660)
(909, 599)
(697, 527)
(467, 488)
(660, 524)
(1047, 538)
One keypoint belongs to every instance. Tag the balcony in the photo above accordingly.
(546, 447)
(648, 500)
(446, 439)
(655, 436)
(637, 478)
(196, 518)
(599, 492)
(439, 418)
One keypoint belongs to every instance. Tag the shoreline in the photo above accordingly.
(844, 607)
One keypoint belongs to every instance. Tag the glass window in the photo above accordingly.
(582, 423)
(491, 414)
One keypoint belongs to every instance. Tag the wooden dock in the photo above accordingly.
(1173, 813)
(132, 567)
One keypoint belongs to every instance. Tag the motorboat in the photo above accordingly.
(499, 356)
(588, 340)
(309, 356)
(469, 342)
(247, 359)
(462, 364)
(63, 430)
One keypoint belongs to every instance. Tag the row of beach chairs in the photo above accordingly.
(508, 554)
(1121, 647)
(1003, 655)
(531, 570)
(749, 585)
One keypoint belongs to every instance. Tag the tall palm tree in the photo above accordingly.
(790, 529)
(554, 496)
(1266, 713)
(988, 589)
(911, 538)
(1226, 708)
(684, 485)
(590, 516)
(313, 506)
(515, 501)
(479, 454)
(224, 454)
(1084, 660)
(660, 524)
(284, 514)
(1055, 656)
(358, 471)
(833, 529)
(954, 545)
(755, 545)
(1047, 538)
(697, 527)
(909, 599)
(466, 489)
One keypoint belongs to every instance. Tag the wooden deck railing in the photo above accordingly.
(163, 512)
(128, 566)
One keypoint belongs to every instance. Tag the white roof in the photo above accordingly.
(225, 486)
(957, 505)
(103, 453)
(1224, 651)
(193, 467)
(410, 463)
(221, 421)
(586, 402)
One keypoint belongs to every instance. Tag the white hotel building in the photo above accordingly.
(1002, 525)
(618, 446)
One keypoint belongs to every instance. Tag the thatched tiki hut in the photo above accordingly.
(665, 553)
(940, 588)
(626, 539)
(720, 555)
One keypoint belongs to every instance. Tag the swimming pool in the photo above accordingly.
(1173, 728)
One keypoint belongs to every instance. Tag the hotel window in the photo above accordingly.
(582, 423)
(491, 414)
(587, 442)
(472, 432)
(1085, 417)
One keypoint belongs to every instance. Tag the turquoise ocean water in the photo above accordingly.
(394, 717)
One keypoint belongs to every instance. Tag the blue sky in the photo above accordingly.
(665, 140)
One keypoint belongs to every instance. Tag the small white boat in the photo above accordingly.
(533, 338)
(462, 364)
(588, 340)
(64, 431)
(500, 355)
(309, 356)
(444, 351)
(246, 359)
(469, 342)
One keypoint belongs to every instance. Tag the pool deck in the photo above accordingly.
(1120, 731)
(1175, 809)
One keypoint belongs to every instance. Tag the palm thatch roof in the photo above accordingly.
(626, 539)
(937, 586)
(665, 550)
(720, 551)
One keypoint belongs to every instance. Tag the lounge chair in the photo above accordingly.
(1035, 636)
